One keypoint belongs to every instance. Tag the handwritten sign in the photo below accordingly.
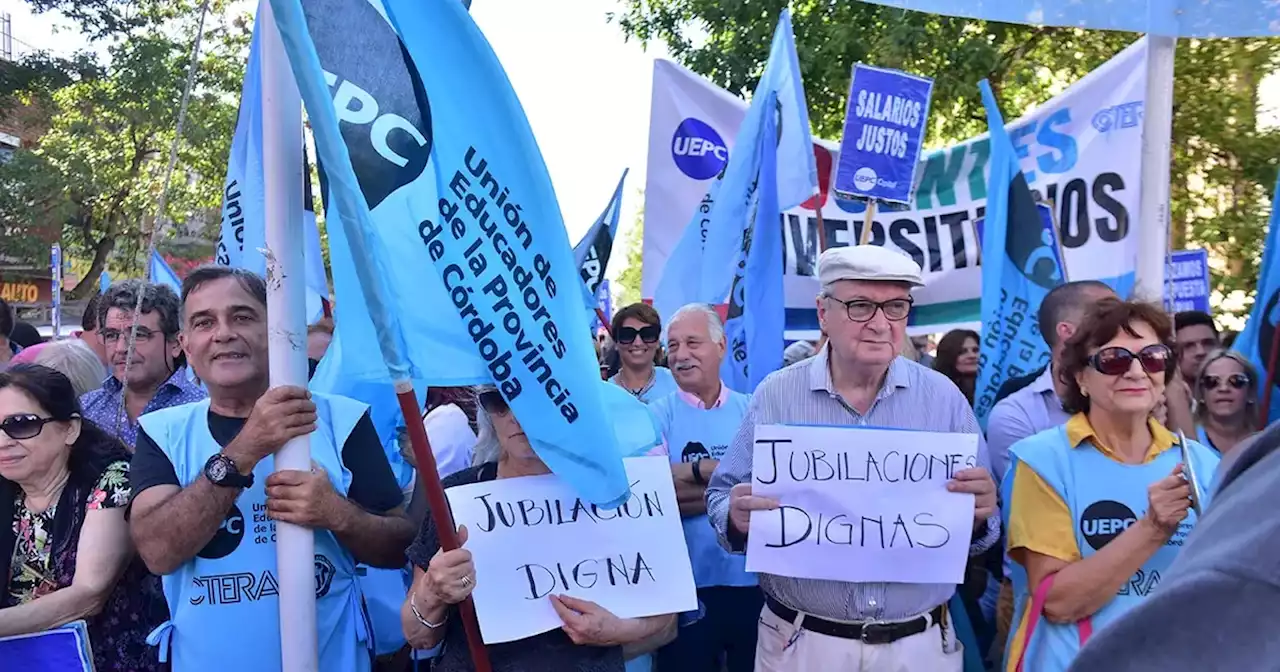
(884, 126)
(1188, 286)
(861, 504)
(532, 537)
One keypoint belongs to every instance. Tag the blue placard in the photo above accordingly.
(884, 126)
(1187, 284)
(64, 649)
(1046, 220)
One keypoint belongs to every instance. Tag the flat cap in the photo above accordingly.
(867, 263)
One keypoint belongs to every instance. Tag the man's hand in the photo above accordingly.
(742, 503)
(589, 624)
(283, 413)
(305, 498)
(977, 482)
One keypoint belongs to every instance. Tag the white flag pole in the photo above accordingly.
(1157, 140)
(286, 325)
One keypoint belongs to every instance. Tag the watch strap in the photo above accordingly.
(232, 478)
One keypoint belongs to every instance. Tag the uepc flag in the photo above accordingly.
(884, 126)
(1258, 340)
(436, 168)
(1019, 267)
(592, 253)
(756, 321)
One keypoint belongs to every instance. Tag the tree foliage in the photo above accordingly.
(1223, 165)
(629, 279)
(95, 177)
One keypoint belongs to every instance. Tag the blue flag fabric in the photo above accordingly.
(1019, 267)
(1218, 18)
(161, 274)
(452, 229)
(730, 214)
(592, 253)
(104, 282)
(1258, 339)
(756, 321)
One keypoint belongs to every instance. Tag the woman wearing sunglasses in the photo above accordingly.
(65, 552)
(1097, 508)
(592, 639)
(637, 329)
(1226, 395)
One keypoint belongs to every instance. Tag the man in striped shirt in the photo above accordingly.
(857, 379)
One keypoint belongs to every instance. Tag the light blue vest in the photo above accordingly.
(223, 604)
(694, 433)
(1104, 497)
(663, 384)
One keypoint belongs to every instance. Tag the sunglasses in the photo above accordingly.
(1116, 361)
(1237, 381)
(493, 403)
(24, 426)
(649, 334)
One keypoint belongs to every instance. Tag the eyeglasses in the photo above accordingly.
(862, 310)
(24, 425)
(493, 403)
(1237, 381)
(649, 334)
(110, 336)
(1116, 361)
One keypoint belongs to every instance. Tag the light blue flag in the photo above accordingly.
(1258, 339)
(104, 282)
(731, 211)
(160, 273)
(1019, 267)
(1203, 18)
(451, 226)
(592, 253)
(756, 321)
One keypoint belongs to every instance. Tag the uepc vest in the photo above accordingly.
(224, 604)
(1104, 497)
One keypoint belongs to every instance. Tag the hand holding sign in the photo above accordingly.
(742, 503)
(977, 482)
(450, 576)
(589, 624)
(1168, 500)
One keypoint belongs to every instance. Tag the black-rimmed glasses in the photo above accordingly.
(862, 310)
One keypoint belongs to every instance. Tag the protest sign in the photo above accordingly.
(1187, 281)
(1081, 150)
(532, 537)
(884, 126)
(64, 649)
(861, 504)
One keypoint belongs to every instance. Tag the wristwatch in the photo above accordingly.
(223, 472)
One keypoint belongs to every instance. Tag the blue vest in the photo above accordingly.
(1104, 497)
(223, 604)
(663, 384)
(694, 433)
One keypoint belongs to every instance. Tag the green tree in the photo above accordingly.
(95, 177)
(628, 282)
(1223, 165)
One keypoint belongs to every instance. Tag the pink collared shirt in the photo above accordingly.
(695, 402)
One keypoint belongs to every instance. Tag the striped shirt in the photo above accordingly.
(912, 397)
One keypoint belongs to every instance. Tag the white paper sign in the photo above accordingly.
(861, 505)
(532, 537)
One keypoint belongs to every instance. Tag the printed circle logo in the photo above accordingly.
(325, 572)
(864, 179)
(698, 150)
(694, 450)
(227, 539)
(1103, 521)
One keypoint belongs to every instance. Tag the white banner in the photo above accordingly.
(1080, 150)
(861, 504)
(533, 537)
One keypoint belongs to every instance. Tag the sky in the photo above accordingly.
(585, 90)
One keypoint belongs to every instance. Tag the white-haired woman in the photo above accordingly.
(1226, 394)
(74, 359)
(592, 639)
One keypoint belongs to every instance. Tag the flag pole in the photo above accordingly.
(438, 505)
(1157, 131)
(286, 329)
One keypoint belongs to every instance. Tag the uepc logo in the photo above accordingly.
(698, 150)
(227, 538)
(1103, 521)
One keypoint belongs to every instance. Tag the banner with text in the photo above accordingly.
(533, 536)
(861, 504)
(1079, 150)
(884, 126)
(1187, 281)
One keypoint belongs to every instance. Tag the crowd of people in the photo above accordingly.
(134, 467)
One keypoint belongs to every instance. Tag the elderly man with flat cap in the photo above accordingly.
(857, 378)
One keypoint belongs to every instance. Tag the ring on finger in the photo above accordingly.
(466, 581)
